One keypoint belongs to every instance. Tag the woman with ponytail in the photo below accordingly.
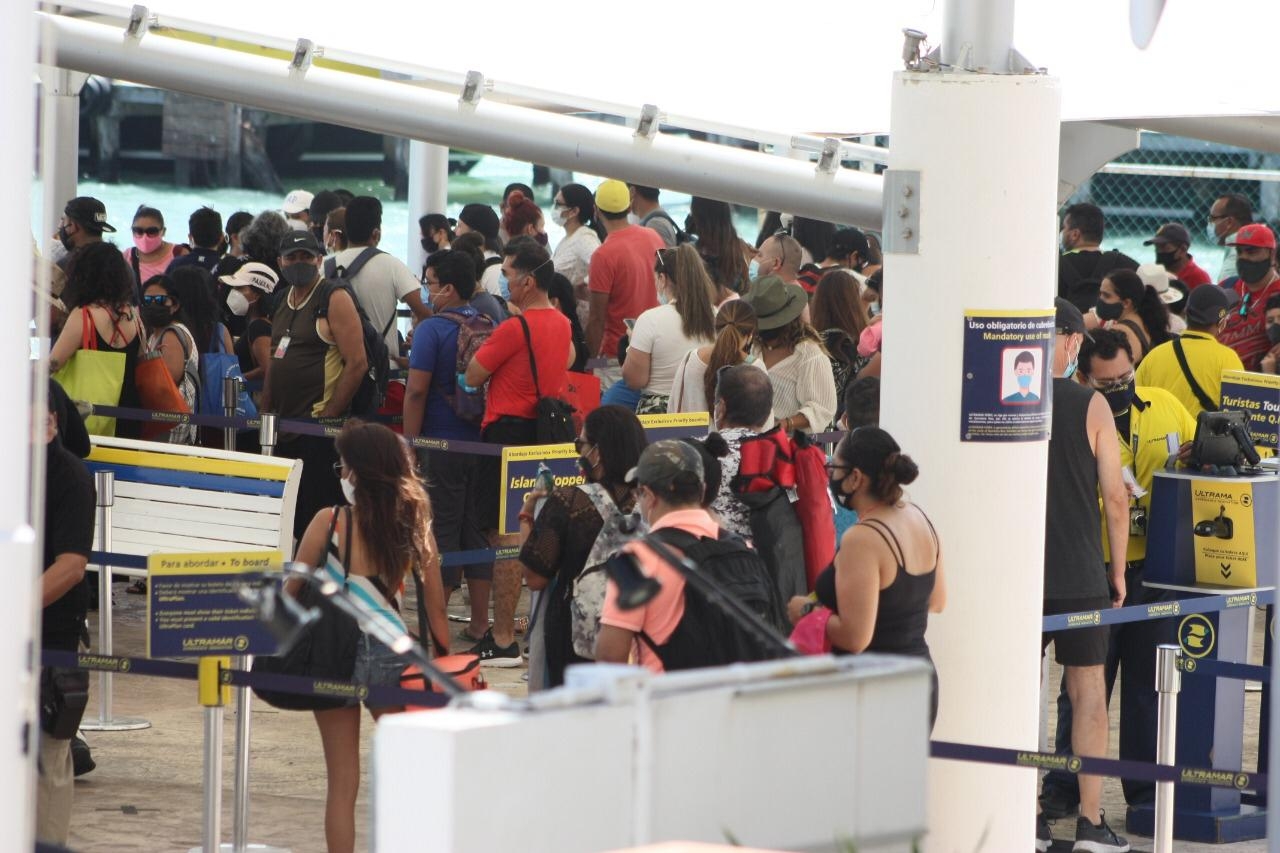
(887, 576)
(371, 547)
(694, 385)
(663, 336)
(1129, 305)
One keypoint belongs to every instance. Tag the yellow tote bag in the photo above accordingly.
(93, 376)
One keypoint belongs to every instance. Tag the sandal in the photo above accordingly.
(522, 624)
(138, 587)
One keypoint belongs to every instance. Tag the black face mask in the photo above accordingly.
(1273, 334)
(156, 316)
(1108, 310)
(1166, 259)
(65, 239)
(840, 496)
(1120, 399)
(1252, 271)
(428, 245)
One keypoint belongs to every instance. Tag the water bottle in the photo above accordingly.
(546, 482)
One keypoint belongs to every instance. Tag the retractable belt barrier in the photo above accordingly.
(1156, 610)
(380, 695)
(452, 558)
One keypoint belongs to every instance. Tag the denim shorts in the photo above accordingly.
(376, 666)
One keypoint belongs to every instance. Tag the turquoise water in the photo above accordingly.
(483, 184)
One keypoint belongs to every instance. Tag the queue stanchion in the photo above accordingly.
(230, 400)
(213, 695)
(105, 484)
(1168, 684)
(267, 433)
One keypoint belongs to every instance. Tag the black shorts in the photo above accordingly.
(454, 485)
(516, 431)
(1078, 646)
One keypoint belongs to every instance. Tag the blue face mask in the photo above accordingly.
(1024, 381)
(504, 286)
(1071, 368)
(753, 269)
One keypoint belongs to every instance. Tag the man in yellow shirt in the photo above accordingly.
(1144, 417)
(1190, 367)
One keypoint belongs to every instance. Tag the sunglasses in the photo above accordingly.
(152, 231)
(1105, 385)
(579, 443)
(337, 469)
(155, 299)
(662, 266)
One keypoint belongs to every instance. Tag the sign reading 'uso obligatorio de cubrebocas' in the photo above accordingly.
(1007, 388)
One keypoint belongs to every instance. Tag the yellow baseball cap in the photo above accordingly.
(613, 196)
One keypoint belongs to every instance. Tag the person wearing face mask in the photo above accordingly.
(694, 385)
(1190, 366)
(1173, 242)
(1227, 215)
(151, 253)
(1084, 461)
(1083, 264)
(333, 235)
(169, 336)
(555, 546)
(662, 337)
(778, 255)
(1129, 305)
(249, 292)
(481, 219)
(522, 218)
(1255, 283)
(888, 572)
(204, 231)
(83, 220)
(436, 232)
(620, 276)
(574, 210)
(669, 480)
(743, 409)
(1270, 362)
(1143, 417)
(317, 363)
(454, 480)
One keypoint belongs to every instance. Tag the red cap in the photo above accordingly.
(1257, 235)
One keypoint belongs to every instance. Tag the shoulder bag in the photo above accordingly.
(554, 416)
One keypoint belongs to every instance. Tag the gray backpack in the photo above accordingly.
(587, 598)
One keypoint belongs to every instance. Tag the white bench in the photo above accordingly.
(173, 498)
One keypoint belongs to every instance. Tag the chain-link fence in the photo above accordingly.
(1176, 179)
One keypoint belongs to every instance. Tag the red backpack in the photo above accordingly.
(813, 507)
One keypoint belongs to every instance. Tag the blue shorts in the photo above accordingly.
(376, 666)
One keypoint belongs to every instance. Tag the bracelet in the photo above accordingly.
(525, 516)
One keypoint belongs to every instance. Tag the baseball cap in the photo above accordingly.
(1170, 232)
(1208, 304)
(846, 241)
(298, 201)
(1158, 277)
(1256, 235)
(300, 241)
(252, 274)
(480, 218)
(1067, 318)
(89, 212)
(613, 196)
(665, 463)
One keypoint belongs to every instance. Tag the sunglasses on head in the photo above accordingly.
(152, 231)
(662, 266)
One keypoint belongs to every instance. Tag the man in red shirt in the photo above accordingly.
(1172, 243)
(620, 277)
(1246, 330)
(503, 361)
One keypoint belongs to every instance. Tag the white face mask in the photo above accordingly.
(238, 303)
(560, 216)
(348, 490)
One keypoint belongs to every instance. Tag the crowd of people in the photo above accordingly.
(776, 340)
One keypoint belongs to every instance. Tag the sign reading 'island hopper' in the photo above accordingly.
(1007, 388)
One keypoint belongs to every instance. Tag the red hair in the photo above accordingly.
(521, 213)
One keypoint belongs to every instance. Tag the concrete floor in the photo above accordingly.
(146, 791)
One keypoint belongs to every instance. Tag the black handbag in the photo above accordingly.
(64, 694)
(554, 416)
(325, 649)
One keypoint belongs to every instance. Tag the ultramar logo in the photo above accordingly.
(1168, 608)
(1242, 600)
(1069, 763)
(1217, 778)
(1090, 617)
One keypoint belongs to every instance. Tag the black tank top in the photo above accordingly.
(129, 398)
(903, 610)
(1074, 564)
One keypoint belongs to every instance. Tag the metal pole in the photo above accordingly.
(230, 401)
(1168, 683)
(212, 833)
(267, 433)
(240, 791)
(105, 483)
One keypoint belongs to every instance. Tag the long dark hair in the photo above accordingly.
(195, 288)
(561, 292)
(719, 243)
(392, 512)
(694, 293)
(619, 439)
(837, 304)
(1146, 301)
(576, 195)
(736, 329)
(98, 273)
(873, 451)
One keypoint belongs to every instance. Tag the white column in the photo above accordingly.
(18, 643)
(987, 228)
(428, 188)
(60, 126)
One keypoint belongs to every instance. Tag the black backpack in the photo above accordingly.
(373, 387)
(681, 236)
(1081, 288)
(707, 635)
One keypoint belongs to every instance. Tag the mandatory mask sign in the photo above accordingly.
(1007, 392)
